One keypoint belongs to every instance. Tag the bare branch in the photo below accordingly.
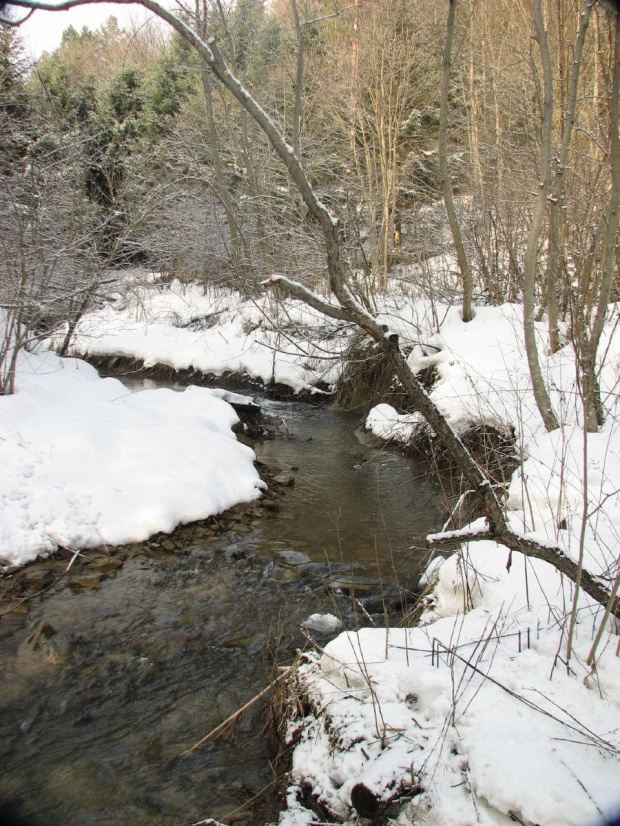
(297, 290)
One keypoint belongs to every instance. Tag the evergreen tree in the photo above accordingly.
(246, 21)
(168, 84)
(15, 129)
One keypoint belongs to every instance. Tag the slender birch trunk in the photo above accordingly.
(555, 264)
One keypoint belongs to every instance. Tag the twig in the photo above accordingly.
(458, 505)
(583, 730)
(218, 729)
(54, 582)
(364, 611)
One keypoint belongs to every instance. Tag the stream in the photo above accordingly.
(141, 669)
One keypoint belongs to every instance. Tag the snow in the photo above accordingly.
(405, 706)
(323, 623)
(249, 336)
(87, 463)
(473, 716)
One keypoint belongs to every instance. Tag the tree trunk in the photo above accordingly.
(555, 264)
(590, 386)
(444, 173)
(218, 167)
(299, 77)
(246, 149)
(64, 350)
(541, 395)
(220, 178)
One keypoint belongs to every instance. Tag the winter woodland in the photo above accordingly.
(406, 208)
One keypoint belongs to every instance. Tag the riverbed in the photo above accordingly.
(99, 708)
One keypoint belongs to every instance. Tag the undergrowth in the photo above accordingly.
(493, 449)
(367, 379)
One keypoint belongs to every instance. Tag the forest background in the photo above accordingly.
(115, 160)
(120, 149)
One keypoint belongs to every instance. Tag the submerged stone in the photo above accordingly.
(284, 479)
(294, 557)
(87, 582)
(168, 545)
(40, 634)
(105, 564)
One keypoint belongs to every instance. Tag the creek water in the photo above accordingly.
(151, 662)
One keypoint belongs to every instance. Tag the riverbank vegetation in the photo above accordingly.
(434, 200)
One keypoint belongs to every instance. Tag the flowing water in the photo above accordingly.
(93, 726)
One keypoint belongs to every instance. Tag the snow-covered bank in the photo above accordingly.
(85, 462)
(474, 712)
(483, 377)
(415, 708)
(476, 716)
(215, 333)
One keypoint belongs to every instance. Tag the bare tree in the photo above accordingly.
(444, 172)
(539, 387)
(602, 251)
(48, 254)
(557, 206)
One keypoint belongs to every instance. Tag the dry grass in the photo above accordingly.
(493, 449)
(412, 615)
(368, 379)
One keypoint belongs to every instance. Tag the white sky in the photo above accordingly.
(43, 31)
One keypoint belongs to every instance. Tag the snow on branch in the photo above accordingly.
(469, 534)
(297, 290)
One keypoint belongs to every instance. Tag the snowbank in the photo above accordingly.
(475, 716)
(86, 462)
(260, 338)
(474, 711)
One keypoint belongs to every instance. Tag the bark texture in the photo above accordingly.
(543, 401)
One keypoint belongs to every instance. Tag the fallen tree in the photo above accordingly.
(349, 309)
